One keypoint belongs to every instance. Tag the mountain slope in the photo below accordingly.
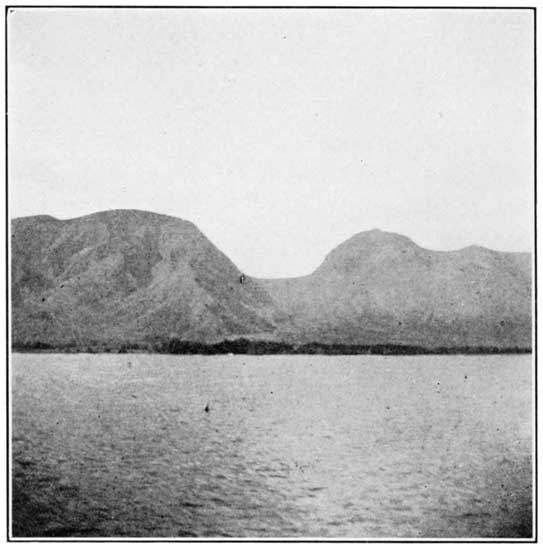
(381, 287)
(127, 275)
(134, 276)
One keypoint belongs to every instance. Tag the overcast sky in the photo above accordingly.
(279, 133)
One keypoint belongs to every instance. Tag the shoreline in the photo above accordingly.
(260, 347)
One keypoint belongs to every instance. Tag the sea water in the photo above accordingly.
(271, 446)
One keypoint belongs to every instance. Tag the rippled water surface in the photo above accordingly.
(291, 446)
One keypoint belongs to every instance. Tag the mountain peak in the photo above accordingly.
(362, 246)
(380, 237)
(374, 231)
(118, 215)
(131, 215)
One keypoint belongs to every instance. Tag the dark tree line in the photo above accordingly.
(244, 346)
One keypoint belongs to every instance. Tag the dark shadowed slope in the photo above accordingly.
(381, 287)
(133, 276)
(128, 275)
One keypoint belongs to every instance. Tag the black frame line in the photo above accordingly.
(536, 464)
(270, 7)
(6, 229)
(129, 540)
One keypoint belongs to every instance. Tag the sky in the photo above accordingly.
(279, 133)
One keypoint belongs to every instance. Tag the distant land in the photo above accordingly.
(125, 280)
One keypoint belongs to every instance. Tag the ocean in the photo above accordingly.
(271, 446)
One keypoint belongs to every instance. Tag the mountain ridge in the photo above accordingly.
(133, 275)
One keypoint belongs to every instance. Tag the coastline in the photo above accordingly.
(244, 346)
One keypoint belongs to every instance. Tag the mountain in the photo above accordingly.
(128, 275)
(381, 287)
(134, 276)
